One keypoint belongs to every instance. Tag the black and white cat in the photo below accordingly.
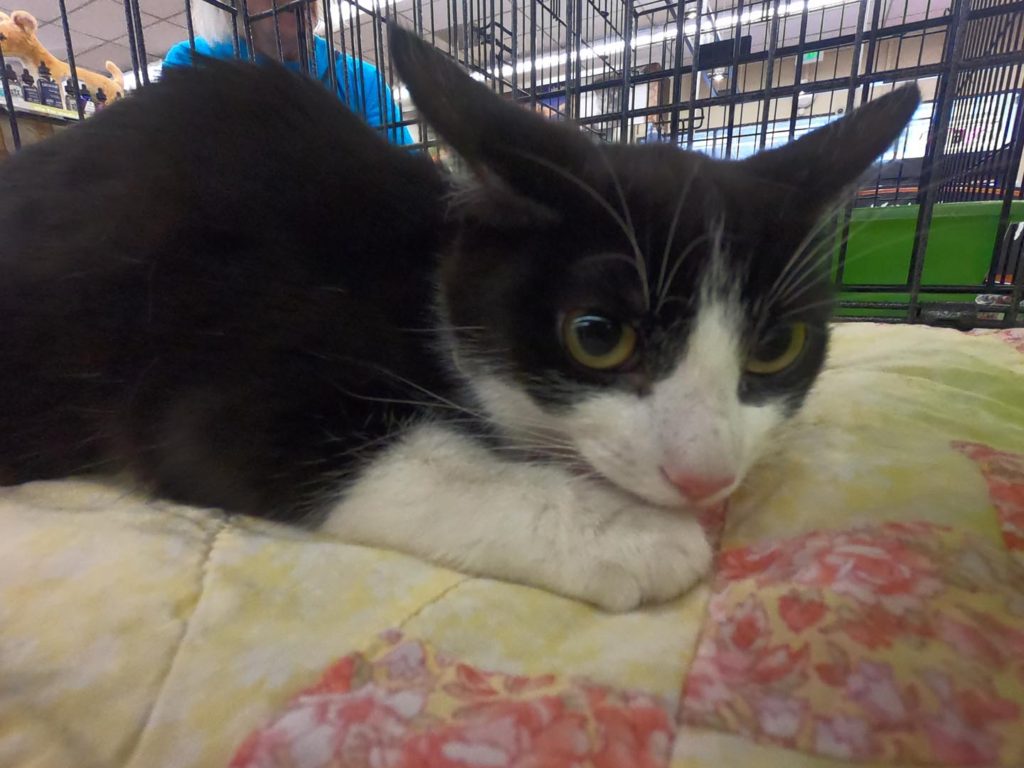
(231, 288)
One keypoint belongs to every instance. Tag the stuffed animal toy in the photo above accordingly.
(18, 38)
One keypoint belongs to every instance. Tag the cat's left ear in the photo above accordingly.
(819, 166)
(539, 158)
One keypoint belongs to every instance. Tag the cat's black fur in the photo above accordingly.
(202, 284)
(226, 284)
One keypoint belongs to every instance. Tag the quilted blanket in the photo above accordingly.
(867, 607)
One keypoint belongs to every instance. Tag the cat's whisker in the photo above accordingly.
(382, 439)
(809, 271)
(641, 263)
(690, 247)
(601, 201)
(402, 401)
(832, 216)
(804, 260)
(718, 260)
(672, 234)
(439, 400)
(798, 291)
(541, 451)
(533, 427)
(533, 430)
(621, 257)
(812, 273)
(807, 307)
(829, 218)
(514, 435)
(825, 251)
(799, 257)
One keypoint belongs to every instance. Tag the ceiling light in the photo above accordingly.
(655, 35)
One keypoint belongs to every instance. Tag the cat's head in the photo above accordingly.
(652, 311)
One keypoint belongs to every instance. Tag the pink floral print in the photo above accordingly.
(844, 737)
(1004, 473)
(409, 707)
(881, 643)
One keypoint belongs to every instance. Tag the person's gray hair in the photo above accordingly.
(214, 24)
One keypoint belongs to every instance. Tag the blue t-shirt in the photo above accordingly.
(359, 83)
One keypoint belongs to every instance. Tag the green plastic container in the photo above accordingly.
(959, 251)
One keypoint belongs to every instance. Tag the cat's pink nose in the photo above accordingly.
(697, 487)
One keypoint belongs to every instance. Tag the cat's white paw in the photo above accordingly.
(630, 553)
(442, 497)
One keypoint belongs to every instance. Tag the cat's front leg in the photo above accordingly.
(444, 497)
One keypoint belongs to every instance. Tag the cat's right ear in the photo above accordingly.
(819, 166)
(539, 158)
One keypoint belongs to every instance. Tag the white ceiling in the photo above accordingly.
(99, 29)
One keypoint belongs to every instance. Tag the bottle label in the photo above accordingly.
(49, 94)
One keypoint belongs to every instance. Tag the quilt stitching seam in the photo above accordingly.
(677, 720)
(374, 646)
(432, 602)
(204, 570)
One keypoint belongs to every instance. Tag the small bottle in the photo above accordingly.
(29, 92)
(88, 107)
(69, 97)
(49, 91)
(11, 82)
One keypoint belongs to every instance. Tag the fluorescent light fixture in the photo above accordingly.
(654, 36)
(345, 10)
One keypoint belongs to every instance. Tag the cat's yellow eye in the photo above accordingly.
(778, 349)
(598, 342)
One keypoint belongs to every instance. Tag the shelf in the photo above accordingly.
(38, 110)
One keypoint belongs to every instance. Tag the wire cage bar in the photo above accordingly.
(932, 234)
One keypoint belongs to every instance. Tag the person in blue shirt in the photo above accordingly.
(359, 84)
